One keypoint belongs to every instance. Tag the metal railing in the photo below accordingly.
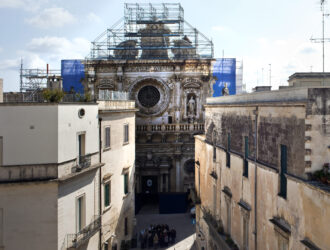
(84, 161)
(198, 127)
(73, 241)
(108, 95)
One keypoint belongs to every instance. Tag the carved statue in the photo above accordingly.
(225, 90)
(191, 106)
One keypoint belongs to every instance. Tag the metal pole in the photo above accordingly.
(323, 37)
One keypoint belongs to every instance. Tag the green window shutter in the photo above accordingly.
(107, 194)
(126, 183)
(283, 181)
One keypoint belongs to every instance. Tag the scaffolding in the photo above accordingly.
(151, 31)
(36, 79)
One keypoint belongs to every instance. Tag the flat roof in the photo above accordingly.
(299, 94)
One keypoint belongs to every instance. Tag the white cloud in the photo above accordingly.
(92, 17)
(52, 17)
(219, 28)
(285, 56)
(10, 64)
(28, 5)
(57, 48)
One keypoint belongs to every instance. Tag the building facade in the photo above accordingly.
(166, 67)
(262, 171)
(117, 129)
(55, 190)
(49, 176)
(169, 95)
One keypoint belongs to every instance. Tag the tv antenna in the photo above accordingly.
(322, 40)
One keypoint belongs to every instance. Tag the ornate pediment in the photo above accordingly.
(191, 83)
(106, 84)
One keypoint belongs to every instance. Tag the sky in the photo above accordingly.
(262, 34)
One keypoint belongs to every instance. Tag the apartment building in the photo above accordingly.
(117, 129)
(49, 176)
(67, 174)
(262, 171)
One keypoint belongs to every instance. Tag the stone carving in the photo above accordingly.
(106, 84)
(191, 83)
(126, 50)
(158, 40)
(191, 106)
(225, 90)
(183, 49)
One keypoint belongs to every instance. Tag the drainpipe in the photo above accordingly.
(255, 177)
(100, 181)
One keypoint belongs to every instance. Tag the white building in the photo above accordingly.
(49, 176)
(117, 122)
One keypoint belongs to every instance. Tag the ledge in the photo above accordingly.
(244, 205)
(309, 244)
(281, 224)
(84, 171)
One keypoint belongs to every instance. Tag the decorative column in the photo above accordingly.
(177, 173)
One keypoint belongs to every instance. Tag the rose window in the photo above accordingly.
(148, 96)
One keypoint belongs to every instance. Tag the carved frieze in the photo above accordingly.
(150, 68)
(106, 84)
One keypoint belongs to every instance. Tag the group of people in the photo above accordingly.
(157, 236)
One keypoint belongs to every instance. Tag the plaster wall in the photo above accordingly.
(1, 90)
(82, 185)
(69, 125)
(29, 215)
(28, 130)
(119, 159)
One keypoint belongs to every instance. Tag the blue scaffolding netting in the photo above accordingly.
(73, 73)
(224, 70)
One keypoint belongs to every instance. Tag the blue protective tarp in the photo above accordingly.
(73, 72)
(224, 70)
(172, 203)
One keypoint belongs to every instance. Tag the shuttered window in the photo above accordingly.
(126, 183)
(107, 137)
(246, 155)
(107, 194)
(283, 181)
(126, 133)
(228, 151)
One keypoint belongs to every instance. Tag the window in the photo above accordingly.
(1, 150)
(126, 133)
(107, 194)
(245, 233)
(228, 150)
(246, 155)
(283, 242)
(126, 226)
(228, 208)
(80, 213)
(107, 137)
(81, 147)
(1, 227)
(214, 153)
(283, 181)
(126, 183)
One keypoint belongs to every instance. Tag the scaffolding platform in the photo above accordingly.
(151, 31)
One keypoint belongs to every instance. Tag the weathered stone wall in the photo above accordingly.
(306, 208)
(276, 125)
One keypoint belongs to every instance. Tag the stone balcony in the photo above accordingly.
(170, 128)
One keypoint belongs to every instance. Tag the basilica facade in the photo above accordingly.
(169, 95)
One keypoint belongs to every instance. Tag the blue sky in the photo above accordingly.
(257, 32)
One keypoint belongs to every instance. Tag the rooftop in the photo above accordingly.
(275, 96)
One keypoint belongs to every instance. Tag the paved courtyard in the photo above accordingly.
(182, 223)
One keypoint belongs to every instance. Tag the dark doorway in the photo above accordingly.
(150, 189)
